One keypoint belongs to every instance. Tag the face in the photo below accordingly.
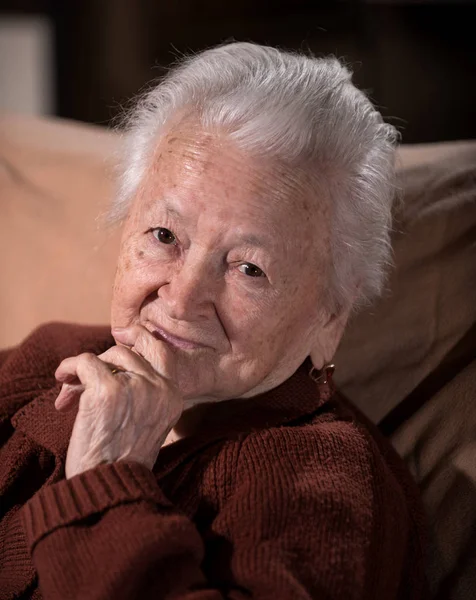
(221, 257)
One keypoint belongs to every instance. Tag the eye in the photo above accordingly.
(164, 235)
(251, 270)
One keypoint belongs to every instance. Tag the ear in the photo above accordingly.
(328, 337)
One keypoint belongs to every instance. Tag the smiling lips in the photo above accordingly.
(175, 341)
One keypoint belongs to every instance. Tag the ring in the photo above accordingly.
(116, 370)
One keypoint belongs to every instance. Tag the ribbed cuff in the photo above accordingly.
(86, 494)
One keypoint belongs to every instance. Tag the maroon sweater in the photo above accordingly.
(291, 498)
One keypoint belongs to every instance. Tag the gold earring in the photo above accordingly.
(322, 375)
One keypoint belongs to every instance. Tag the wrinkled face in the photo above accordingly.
(221, 257)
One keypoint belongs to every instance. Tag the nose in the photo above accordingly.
(189, 293)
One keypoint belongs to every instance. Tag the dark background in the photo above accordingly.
(416, 59)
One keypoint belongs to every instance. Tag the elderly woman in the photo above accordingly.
(202, 452)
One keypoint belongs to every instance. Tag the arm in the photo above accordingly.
(110, 533)
(288, 530)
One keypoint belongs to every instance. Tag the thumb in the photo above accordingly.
(125, 335)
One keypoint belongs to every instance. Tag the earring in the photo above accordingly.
(322, 375)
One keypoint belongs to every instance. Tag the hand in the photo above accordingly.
(126, 415)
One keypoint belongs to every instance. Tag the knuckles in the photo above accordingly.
(87, 358)
(103, 390)
(115, 354)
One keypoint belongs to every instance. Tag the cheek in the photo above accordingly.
(255, 326)
(132, 274)
(282, 324)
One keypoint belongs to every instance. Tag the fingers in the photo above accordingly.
(127, 359)
(141, 354)
(68, 397)
(155, 352)
(75, 369)
(77, 373)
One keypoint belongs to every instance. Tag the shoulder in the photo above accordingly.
(331, 437)
(330, 455)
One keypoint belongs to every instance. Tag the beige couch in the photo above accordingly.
(409, 362)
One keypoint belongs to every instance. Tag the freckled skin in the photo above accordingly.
(257, 330)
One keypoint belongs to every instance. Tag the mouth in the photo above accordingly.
(174, 340)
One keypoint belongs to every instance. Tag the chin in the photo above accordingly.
(191, 382)
(195, 389)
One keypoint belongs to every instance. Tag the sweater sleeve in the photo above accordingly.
(287, 529)
(4, 354)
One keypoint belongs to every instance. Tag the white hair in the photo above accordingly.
(304, 111)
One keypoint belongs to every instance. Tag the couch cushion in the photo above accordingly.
(56, 264)
(430, 302)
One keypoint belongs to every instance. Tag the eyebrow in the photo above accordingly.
(171, 210)
(255, 240)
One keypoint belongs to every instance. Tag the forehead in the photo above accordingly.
(188, 154)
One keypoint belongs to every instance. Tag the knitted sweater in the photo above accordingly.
(291, 498)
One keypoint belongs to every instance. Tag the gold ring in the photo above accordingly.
(116, 370)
